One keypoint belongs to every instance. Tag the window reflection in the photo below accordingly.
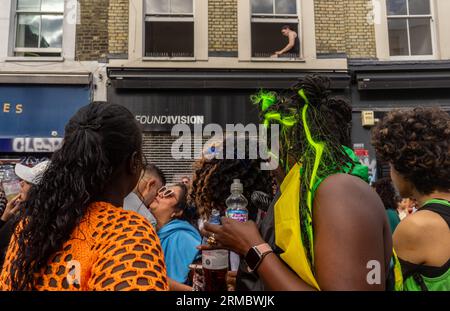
(28, 31)
(51, 32)
(262, 6)
(52, 6)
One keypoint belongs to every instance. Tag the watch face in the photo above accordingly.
(252, 258)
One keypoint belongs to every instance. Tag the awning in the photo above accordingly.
(404, 75)
(403, 80)
(45, 78)
(143, 78)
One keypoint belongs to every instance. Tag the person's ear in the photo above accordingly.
(150, 183)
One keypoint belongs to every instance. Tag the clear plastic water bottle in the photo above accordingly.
(214, 262)
(237, 210)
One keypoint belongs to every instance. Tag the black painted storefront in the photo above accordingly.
(384, 86)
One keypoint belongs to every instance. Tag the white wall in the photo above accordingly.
(5, 12)
(64, 65)
(441, 24)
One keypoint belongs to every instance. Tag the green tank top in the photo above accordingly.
(440, 283)
(418, 281)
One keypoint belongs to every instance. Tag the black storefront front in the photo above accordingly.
(161, 98)
(380, 87)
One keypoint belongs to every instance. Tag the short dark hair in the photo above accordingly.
(416, 142)
(190, 213)
(286, 27)
(152, 169)
(386, 191)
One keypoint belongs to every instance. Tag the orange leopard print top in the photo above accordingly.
(111, 249)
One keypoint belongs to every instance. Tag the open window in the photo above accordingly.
(169, 28)
(268, 19)
(38, 28)
(410, 27)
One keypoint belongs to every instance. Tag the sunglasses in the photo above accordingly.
(165, 192)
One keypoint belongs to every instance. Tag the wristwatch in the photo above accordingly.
(255, 256)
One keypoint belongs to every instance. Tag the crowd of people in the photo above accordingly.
(97, 216)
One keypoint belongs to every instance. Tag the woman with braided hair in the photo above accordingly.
(327, 229)
(72, 233)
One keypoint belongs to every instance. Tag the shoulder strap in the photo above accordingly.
(441, 207)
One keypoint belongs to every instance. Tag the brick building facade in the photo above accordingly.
(344, 26)
(341, 27)
(223, 27)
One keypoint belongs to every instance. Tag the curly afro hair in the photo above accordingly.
(213, 178)
(417, 143)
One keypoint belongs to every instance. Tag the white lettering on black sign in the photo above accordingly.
(28, 144)
(160, 120)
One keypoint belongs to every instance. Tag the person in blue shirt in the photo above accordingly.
(179, 238)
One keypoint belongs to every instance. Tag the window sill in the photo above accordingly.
(34, 59)
(282, 60)
(412, 58)
(170, 59)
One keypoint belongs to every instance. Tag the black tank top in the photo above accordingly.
(296, 49)
(442, 208)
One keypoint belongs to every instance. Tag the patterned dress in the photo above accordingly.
(111, 249)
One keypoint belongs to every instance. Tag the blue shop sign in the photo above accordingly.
(39, 110)
(30, 144)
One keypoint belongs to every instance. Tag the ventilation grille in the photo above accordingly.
(157, 149)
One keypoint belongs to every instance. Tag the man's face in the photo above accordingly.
(285, 32)
(148, 187)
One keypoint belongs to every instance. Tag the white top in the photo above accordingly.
(133, 203)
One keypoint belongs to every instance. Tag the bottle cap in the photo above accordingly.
(237, 186)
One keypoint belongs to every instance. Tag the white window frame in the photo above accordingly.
(279, 18)
(408, 17)
(35, 50)
(169, 17)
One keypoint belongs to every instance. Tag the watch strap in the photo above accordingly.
(262, 250)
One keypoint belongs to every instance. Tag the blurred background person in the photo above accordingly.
(186, 181)
(29, 176)
(3, 200)
(416, 143)
(139, 199)
(406, 207)
(387, 193)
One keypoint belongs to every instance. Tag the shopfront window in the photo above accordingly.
(410, 27)
(169, 28)
(270, 19)
(38, 28)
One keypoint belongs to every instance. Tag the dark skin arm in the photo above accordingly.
(177, 286)
(349, 225)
